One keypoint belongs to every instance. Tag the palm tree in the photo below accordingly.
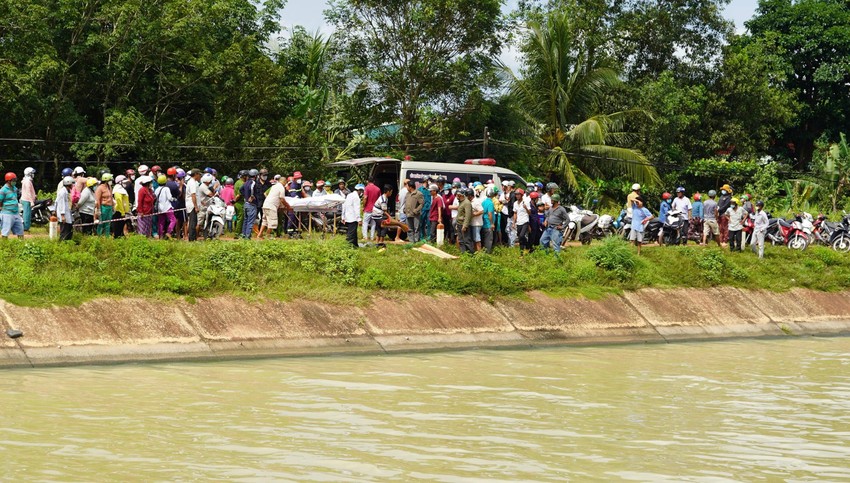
(559, 95)
(837, 167)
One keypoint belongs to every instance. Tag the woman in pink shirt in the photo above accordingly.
(228, 195)
(28, 196)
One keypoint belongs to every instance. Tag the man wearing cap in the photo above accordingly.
(553, 225)
(723, 204)
(351, 214)
(435, 214)
(760, 221)
(272, 205)
(413, 205)
(464, 220)
(63, 209)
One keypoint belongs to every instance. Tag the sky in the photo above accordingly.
(310, 14)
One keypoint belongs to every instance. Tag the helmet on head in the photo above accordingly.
(556, 198)
(320, 184)
(229, 181)
(171, 172)
(11, 176)
(207, 178)
(745, 197)
(91, 182)
(760, 204)
(29, 171)
(340, 181)
(456, 184)
(534, 195)
(181, 174)
(697, 196)
(242, 173)
(143, 169)
(539, 184)
(224, 179)
(161, 179)
(680, 189)
(129, 173)
(156, 169)
(120, 179)
(736, 201)
(262, 171)
(296, 175)
(208, 170)
(67, 181)
(79, 170)
(635, 187)
(145, 180)
(307, 184)
(552, 187)
(712, 193)
(665, 196)
(106, 177)
(67, 172)
(520, 191)
(359, 186)
(433, 187)
(253, 173)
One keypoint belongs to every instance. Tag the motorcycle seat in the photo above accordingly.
(784, 223)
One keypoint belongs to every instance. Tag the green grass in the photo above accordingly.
(39, 272)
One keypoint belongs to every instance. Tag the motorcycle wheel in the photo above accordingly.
(585, 238)
(798, 242)
(841, 244)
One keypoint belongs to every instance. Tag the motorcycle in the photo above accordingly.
(671, 230)
(790, 234)
(583, 226)
(40, 211)
(214, 223)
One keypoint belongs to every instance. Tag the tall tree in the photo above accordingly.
(417, 54)
(559, 95)
(812, 37)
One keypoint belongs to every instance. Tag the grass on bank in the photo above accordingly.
(40, 272)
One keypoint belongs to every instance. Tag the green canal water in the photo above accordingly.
(775, 410)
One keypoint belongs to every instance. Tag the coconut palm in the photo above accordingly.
(559, 95)
(837, 167)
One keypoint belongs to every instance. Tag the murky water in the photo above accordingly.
(750, 410)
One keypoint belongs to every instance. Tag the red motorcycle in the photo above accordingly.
(790, 234)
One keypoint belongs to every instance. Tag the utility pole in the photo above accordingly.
(486, 139)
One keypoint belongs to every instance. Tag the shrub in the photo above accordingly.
(615, 256)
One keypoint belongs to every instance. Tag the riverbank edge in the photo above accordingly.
(135, 330)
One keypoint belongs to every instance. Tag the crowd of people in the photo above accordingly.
(173, 203)
(725, 219)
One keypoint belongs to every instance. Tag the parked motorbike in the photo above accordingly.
(40, 211)
(214, 223)
(790, 234)
(671, 230)
(584, 226)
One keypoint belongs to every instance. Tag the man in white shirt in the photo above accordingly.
(521, 219)
(477, 216)
(351, 214)
(192, 203)
(683, 203)
(274, 202)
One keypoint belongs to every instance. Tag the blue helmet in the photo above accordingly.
(539, 185)
(360, 186)
(208, 170)
(67, 172)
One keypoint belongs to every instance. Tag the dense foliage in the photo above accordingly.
(607, 92)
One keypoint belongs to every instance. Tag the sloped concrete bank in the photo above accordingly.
(105, 331)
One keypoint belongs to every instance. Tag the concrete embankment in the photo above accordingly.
(104, 331)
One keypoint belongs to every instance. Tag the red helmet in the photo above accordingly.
(697, 196)
(171, 172)
(520, 191)
(534, 195)
(130, 172)
(665, 196)
(10, 176)
(156, 169)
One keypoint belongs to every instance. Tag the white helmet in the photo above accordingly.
(145, 179)
(79, 170)
(120, 179)
(635, 187)
(143, 169)
(207, 178)
(29, 171)
(67, 181)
